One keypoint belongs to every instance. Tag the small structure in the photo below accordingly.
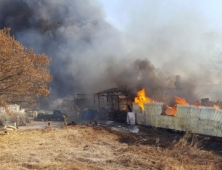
(18, 115)
(113, 104)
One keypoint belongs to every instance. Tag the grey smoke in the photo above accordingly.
(89, 54)
(72, 33)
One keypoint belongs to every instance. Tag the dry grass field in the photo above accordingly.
(104, 148)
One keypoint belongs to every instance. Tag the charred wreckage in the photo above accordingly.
(204, 117)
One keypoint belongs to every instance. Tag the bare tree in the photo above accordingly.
(24, 75)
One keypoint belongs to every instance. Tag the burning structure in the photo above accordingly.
(75, 33)
(110, 104)
(182, 117)
(113, 104)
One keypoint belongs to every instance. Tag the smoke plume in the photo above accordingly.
(89, 54)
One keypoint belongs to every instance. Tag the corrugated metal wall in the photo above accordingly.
(201, 120)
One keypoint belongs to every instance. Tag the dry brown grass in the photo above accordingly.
(95, 148)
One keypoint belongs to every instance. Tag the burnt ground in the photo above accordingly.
(104, 147)
(164, 138)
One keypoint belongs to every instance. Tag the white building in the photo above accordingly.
(16, 115)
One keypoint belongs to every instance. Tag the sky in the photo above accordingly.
(192, 26)
(118, 12)
(183, 36)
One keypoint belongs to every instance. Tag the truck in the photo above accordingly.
(57, 115)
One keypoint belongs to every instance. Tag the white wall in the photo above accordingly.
(201, 120)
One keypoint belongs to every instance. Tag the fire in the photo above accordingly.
(216, 106)
(180, 101)
(141, 98)
(170, 111)
(197, 104)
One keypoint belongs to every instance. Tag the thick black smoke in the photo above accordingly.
(79, 41)
(68, 31)
(36, 24)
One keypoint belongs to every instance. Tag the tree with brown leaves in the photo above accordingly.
(24, 75)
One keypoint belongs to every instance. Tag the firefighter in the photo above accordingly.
(65, 119)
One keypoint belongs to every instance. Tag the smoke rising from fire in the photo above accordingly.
(89, 54)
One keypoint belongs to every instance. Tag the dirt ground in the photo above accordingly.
(106, 148)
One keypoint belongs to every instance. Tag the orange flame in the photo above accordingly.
(141, 98)
(197, 104)
(216, 106)
(170, 111)
(180, 101)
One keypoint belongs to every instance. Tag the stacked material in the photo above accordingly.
(201, 120)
